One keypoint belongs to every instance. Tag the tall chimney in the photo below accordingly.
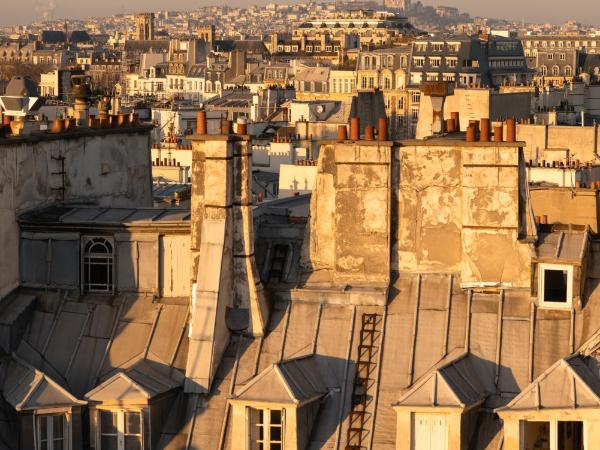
(227, 294)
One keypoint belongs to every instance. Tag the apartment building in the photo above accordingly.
(486, 60)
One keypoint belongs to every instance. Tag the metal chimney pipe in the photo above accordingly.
(382, 129)
(456, 116)
(450, 126)
(484, 135)
(242, 126)
(369, 133)
(511, 130)
(498, 131)
(354, 129)
(226, 126)
(201, 122)
(471, 133)
(342, 134)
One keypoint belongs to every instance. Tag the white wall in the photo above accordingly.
(109, 168)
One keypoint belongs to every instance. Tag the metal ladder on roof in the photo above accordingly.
(365, 383)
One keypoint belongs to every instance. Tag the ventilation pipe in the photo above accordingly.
(511, 130)
(498, 131)
(354, 128)
(382, 132)
(342, 134)
(201, 122)
(484, 135)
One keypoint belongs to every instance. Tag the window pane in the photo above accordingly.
(275, 446)
(537, 435)
(133, 443)
(108, 443)
(275, 416)
(555, 285)
(275, 433)
(43, 427)
(132, 423)
(570, 435)
(108, 422)
(44, 445)
(58, 426)
(58, 444)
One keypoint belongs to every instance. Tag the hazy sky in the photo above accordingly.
(21, 11)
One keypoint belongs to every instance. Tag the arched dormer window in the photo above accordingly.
(98, 265)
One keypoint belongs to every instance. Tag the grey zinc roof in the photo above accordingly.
(143, 379)
(558, 245)
(502, 351)
(104, 216)
(567, 384)
(21, 87)
(296, 380)
(454, 384)
(27, 388)
(82, 343)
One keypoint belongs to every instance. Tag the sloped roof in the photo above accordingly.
(53, 36)
(562, 245)
(566, 245)
(27, 388)
(568, 383)
(293, 381)
(313, 74)
(22, 86)
(455, 384)
(142, 382)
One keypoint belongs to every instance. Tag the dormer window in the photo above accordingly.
(98, 265)
(51, 432)
(266, 429)
(556, 285)
(120, 430)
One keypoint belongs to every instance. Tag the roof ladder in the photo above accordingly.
(363, 394)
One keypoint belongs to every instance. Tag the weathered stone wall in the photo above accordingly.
(581, 142)
(108, 168)
(429, 209)
(458, 210)
(567, 206)
(350, 214)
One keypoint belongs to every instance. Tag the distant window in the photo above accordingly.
(556, 285)
(51, 432)
(555, 71)
(120, 430)
(98, 265)
(568, 71)
(266, 429)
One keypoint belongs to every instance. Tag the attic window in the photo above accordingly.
(266, 429)
(98, 265)
(51, 432)
(556, 285)
(552, 435)
(120, 430)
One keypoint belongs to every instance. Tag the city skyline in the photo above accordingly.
(535, 11)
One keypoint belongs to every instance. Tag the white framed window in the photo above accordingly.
(120, 430)
(98, 267)
(553, 435)
(419, 62)
(555, 285)
(267, 428)
(51, 430)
